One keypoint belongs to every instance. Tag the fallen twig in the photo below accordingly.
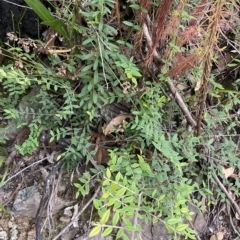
(196, 234)
(45, 197)
(77, 216)
(13, 194)
(231, 221)
(136, 215)
(35, 163)
(227, 193)
(18, 5)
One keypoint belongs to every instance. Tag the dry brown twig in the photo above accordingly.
(231, 221)
(136, 215)
(18, 5)
(85, 206)
(235, 205)
(79, 213)
(24, 169)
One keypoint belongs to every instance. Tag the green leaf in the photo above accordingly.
(155, 220)
(181, 227)
(86, 68)
(4, 176)
(161, 197)
(97, 203)
(127, 222)
(47, 17)
(105, 217)
(114, 187)
(108, 173)
(119, 233)
(105, 182)
(40, 10)
(111, 201)
(231, 64)
(130, 228)
(137, 171)
(95, 76)
(95, 65)
(95, 231)
(115, 218)
(120, 192)
(135, 6)
(117, 205)
(118, 177)
(95, 97)
(129, 199)
(130, 24)
(2, 73)
(125, 237)
(2, 208)
(107, 231)
(184, 210)
(105, 195)
(58, 26)
(173, 221)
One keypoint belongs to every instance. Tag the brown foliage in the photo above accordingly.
(198, 13)
(182, 64)
(117, 12)
(158, 26)
(141, 17)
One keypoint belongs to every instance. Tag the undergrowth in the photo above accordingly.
(163, 162)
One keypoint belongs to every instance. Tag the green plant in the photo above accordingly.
(155, 170)
(58, 25)
(131, 189)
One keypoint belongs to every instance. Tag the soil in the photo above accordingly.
(22, 197)
(18, 19)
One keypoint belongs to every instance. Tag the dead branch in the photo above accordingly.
(235, 205)
(150, 43)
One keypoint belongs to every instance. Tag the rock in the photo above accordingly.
(146, 230)
(3, 234)
(26, 202)
(160, 232)
(70, 235)
(97, 237)
(14, 230)
(198, 221)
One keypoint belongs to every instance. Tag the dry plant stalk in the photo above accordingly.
(117, 12)
(208, 48)
(198, 13)
(158, 26)
(141, 17)
(189, 35)
(154, 54)
(171, 86)
(173, 24)
(183, 64)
